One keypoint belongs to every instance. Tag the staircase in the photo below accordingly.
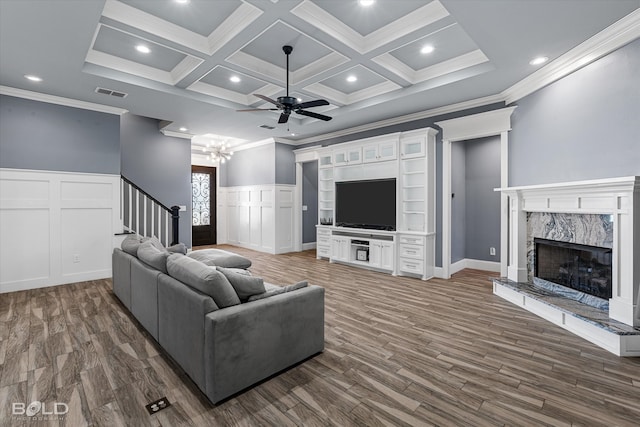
(144, 215)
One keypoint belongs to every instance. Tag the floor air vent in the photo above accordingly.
(115, 93)
(267, 127)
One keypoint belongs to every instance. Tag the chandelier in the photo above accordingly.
(217, 152)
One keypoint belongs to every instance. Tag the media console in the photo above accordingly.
(403, 253)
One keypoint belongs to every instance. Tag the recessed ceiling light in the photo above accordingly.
(142, 48)
(427, 49)
(539, 60)
(299, 99)
(235, 79)
(183, 129)
(182, 1)
(32, 78)
(293, 134)
(366, 2)
(352, 79)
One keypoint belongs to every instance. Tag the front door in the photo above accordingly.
(203, 205)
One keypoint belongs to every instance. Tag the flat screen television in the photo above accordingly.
(366, 204)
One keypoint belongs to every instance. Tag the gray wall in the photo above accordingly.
(458, 201)
(309, 199)
(160, 165)
(584, 126)
(255, 166)
(482, 204)
(42, 136)
(285, 164)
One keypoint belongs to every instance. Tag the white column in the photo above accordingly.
(297, 208)
(504, 203)
(517, 269)
(446, 208)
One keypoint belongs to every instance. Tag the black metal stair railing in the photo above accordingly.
(144, 215)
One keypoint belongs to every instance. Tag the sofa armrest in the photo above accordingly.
(249, 342)
(181, 313)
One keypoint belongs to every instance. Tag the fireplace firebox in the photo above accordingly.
(581, 267)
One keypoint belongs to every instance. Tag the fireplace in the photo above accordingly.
(585, 268)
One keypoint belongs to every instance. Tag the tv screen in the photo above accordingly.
(366, 204)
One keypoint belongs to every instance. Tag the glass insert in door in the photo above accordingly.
(201, 194)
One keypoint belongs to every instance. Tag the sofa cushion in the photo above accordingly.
(203, 278)
(277, 290)
(220, 258)
(244, 285)
(131, 243)
(151, 255)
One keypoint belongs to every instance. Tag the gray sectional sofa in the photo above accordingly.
(223, 350)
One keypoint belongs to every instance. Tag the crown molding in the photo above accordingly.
(478, 102)
(254, 144)
(58, 100)
(606, 41)
(176, 134)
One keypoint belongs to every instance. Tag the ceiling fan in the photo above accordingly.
(288, 104)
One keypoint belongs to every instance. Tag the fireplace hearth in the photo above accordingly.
(585, 268)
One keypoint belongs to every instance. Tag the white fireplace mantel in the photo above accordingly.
(618, 197)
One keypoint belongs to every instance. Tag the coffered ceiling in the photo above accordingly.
(207, 58)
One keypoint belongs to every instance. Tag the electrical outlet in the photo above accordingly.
(158, 405)
(492, 251)
(183, 208)
(76, 258)
(305, 207)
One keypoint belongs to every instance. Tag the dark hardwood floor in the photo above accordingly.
(399, 351)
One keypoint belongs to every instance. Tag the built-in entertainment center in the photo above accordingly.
(376, 203)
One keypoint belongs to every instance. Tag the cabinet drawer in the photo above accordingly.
(323, 251)
(323, 241)
(411, 266)
(323, 232)
(412, 240)
(411, 251)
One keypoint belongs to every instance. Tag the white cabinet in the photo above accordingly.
(325, 160)
(340, 248)
(323, 242)
(381, 254)
(412, 147)
(350, 156)
(325, 196)
(379, 152)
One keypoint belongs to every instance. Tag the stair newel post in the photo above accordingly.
(175, 217)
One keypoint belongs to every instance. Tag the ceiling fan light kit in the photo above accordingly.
(290, 104)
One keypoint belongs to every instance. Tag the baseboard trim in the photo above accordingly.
(475, 264)
(308, 246)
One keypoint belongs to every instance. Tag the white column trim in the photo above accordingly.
(496, 122)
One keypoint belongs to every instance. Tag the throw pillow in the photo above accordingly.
(130, 244)
(155, 242)
(244, 285)
(179, 248)
(151, 255)
(203, 278)
(278, 290)
(220, 258)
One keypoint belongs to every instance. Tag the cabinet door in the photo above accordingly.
(354, 156)
(370, 153)
(374, 254)
(339, 248)
(325, 160)
(386, 255)
(413, 147)
(387, 151)
(340, 158)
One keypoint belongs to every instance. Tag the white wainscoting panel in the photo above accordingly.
(258, 217)
(56, 227)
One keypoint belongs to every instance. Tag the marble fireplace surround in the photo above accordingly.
(616, 199)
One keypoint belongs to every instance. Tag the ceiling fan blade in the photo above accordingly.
(257, 109)
(314, 103)
(284, 118)
(266, 98)
(314, 115)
